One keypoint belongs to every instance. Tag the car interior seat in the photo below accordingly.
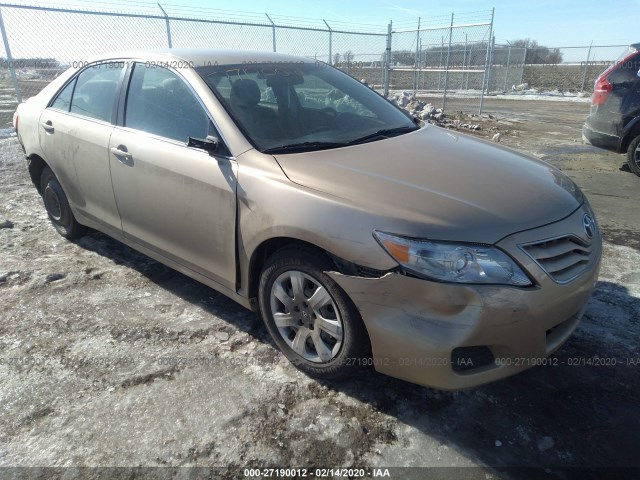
(244, 101)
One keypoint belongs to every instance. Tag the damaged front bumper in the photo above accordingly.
(453, 336)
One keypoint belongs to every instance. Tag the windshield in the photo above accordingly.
(289, 107)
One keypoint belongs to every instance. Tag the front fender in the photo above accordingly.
(271, 206)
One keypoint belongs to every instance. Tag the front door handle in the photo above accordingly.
(122, 154)
(48, 126)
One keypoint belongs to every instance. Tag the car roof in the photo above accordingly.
(199, 57)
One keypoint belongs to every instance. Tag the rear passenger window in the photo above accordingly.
(626, 72)
(63, 100)
(95, 91)
(159, 102)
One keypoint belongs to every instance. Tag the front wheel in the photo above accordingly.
(57, 205)
(633, 156)
(309, 317)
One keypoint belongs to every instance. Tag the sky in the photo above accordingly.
(554, 23)
(550, 22)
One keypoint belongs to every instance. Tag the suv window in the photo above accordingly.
(159, 102)
(627, 71)
(95, 91)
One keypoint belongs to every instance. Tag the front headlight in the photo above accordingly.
(453, 262)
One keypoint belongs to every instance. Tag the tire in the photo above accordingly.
(325, 341)
(57, 205)
(633, 156)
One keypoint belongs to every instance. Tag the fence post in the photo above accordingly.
(493, 47)
(486, 62)
(586, 65)
(464, 59)
(330, 42)
(12, 69)
(273, 30)
(446, 68)
(506, 73)
(440, 61)
(387, 70)
(166, 19)
(415, 59)
(524, 64)
(466, 82)
(420, 76)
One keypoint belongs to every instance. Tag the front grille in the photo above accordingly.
(563, 258)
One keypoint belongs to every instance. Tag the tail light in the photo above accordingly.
(15, 120)
(602, 89)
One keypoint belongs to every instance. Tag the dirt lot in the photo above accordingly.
(110, 359)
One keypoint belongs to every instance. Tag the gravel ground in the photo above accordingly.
(109, 359)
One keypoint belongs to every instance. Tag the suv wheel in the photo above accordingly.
(309, 317)
(633, 156)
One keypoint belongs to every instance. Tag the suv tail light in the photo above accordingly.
(15, 120)
(602, 89)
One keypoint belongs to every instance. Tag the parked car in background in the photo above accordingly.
(614, 122)
(363, 237)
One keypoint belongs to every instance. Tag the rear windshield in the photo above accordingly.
(309, 105)
(627, 66)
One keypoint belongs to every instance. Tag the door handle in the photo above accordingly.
(122, 154)
(48, 126)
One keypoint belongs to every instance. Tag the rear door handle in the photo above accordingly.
(122, 154)
(48, 126)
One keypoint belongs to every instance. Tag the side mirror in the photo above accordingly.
(209, 144)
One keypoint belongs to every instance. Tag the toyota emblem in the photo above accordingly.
(589, 225)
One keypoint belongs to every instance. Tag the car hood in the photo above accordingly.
(439, 185)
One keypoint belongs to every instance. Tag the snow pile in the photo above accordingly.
(7, 132)
(517, 92)
(427, 112)
(523, 92)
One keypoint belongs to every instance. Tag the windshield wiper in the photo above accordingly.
(384, 133)
(304, 147)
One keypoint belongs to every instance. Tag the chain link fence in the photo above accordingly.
(451, 62)
(561, 71)
(446, 63)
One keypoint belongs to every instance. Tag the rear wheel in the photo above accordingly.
(309, 317)
(633, 156)
(57, 205)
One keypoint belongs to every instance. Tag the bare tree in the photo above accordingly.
(348, 57)
(403, 57)
(538, 53)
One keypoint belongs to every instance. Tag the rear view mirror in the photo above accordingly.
(276, 81)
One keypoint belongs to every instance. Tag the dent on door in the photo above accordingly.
(177, 201)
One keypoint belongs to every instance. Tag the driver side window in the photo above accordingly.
(159, 102)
